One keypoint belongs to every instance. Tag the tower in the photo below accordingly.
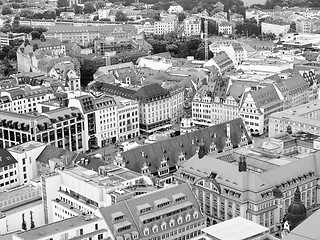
(206, 44)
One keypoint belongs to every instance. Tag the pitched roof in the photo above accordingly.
(115, 90)
(132, 215)
(50, 152)
(145, 93)
(187, 143)
(6, 158)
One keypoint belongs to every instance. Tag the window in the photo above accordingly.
(96, 226)
(81, 231)
(188, 217)
(171, 223)
(163, 225)
(155, 228)
(179, 220)
(146, 231)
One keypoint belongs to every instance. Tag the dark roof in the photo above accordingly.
(221, 87)
(116, 90)
(172, 147)
(6, 158)
(146, 93)
(131, 210)
(50, 152)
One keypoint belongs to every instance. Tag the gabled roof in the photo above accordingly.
(187, 143)
(6, 158)
(146, 93)
(115, 90)
(50, 152)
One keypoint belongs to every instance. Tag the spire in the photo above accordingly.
(297, 196)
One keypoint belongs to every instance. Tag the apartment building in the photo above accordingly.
(128, 118)
(222, 62)
(90, 227)
(225, 28)
(176, 101)
(86, 34)
(175, 8)
(191, 26)
(235, 52)
(301, 118)
(7, 38)
(61, 127)
(257, 106)
(78, 190)
(9, 171)
(276, 27)
(138, 218)
(166, 25)
(259, 189)
(25, 100)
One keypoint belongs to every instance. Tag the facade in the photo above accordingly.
(62, 128)
(301, 118)
(7, 38)
(161, 159)
(166, 214)
(235, 52)
(231, 185)
(191, 26)
(221, 61)
(176, 101)
(166, 25)
(256, 107)
(9, 171)
(86, 34)
(276, 27)
(304, 25)
(80, 190)
(225, 28)
(175, 8)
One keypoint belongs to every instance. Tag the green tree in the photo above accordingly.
(292, 28)
(6, 10)
(78, 9)
(121, 17)
(156, 17)
(26, 13)
(172, 48)
(89, 7)
(181, 17)
(62, 3)
(6, 28)
(35, 34)
(1, 3)
(100, 4)
(16, 23)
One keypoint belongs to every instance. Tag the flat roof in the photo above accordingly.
(235, 229)
(26, 146)
(55, 228)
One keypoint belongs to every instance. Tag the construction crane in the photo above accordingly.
(206, 44)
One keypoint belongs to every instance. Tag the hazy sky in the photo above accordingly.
(250, 2)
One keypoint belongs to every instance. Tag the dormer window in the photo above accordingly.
(171, 223)
(188, 217)
(155, 228)
(195, 214)
(146, 231)
(179, 220)
(182, 157)
(163, 225)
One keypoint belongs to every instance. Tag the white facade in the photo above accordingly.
(225, 28)
(191, 26)
(167, 25)
(175, 9)
(235, 52)
(275, 28)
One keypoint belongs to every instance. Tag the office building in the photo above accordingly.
(276, 27)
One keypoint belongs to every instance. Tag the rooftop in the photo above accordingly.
(235, 229)
(6, 158)
(27, 146)
(56, 228)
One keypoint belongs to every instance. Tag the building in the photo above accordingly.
(235, 52)
(166, 25)
(128, 118)
(225, 28)
(242, 229)
(175, 8)
(72, 228)
(166, 214)
(7, 38)
(257, 105)
(161, 159)
(304, 25)
(80, 190)
(191, 26)
(276, 27)
(250, 183)
(48, 128)
(9, 171)
(301, 118)
(20, 205)
(221, 61)
(86, 34)
(176, 101)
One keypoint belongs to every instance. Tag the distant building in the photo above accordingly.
(166, 25)
(276, 27)
(175, 8)
(225, 28)
(7, 38)
(221, 61)
(191, 26)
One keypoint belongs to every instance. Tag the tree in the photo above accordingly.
(78, 9)
(24, 225)
(89, 7)
(42, 38)
(31, 221)
(6, 10)
(100, 4)
(41, 29)
(121, 17)
(1, 3)
(172, 48)
(181, 17)
(26, 13)
(16, 23)
(6, 28)
(35, 34)
(156, 17)
(200, 53)
(62, 3)
(292, 28)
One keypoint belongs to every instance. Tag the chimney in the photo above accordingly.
(242, 164)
